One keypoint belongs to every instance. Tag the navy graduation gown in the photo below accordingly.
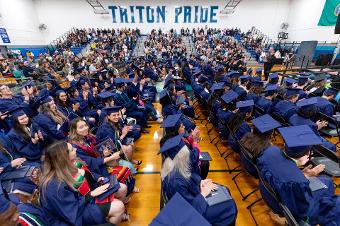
(325, 106)
(222, 214)
(292, 187)
(25, 148)
(63, 206)
(241, 131)
(48, 127)
(264, 104)
(285, 109)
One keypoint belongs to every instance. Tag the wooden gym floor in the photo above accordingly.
(144, 206)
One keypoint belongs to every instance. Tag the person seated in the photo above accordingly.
(324, 102)
(99, 163)
(242, 88)
(286, 108)
(258, 140)
(60, 197)
(64, 105)
(111, 129)
(27, 142)
(237, 123)
(305, 114)
(177, 177)
(88, 103)
(266, 102)
(255, 90)
(52, 123)
(294, 187)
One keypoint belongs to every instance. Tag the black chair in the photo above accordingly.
(333, 129)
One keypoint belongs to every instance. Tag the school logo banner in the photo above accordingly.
(330, 13)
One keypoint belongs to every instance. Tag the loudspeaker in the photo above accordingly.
(323, 60)
(337, 26)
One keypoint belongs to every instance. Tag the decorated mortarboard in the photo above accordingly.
(265, 123)
(110, 110)
(307, 102)
(292, 92)
(244, 78)
(289, 81)
(330, 91)
(273, 75)
(299, 139)
(229, 96)
(217, 86)
(172, 121)
(172, 146)
(179, 212)
(105, 95)
(245, 106)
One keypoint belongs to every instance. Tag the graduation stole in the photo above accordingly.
(88, 146)
(81, 183)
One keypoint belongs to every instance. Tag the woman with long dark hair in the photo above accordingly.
(27, 142)
(62, 202)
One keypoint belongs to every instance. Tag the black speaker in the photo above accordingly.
(337, 26)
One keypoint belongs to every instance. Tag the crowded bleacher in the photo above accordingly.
(71, 123)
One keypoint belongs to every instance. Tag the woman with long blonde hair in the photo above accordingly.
(61, 198)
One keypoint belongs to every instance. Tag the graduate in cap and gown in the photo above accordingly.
(177, 177)
(266, 102)
(52, 123)
(168, 108)
(286, 108)
(238, 125)
(294, 187)
(324, 102)
(61, 196)
(306, 112)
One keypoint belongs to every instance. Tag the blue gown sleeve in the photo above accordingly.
(50, 128)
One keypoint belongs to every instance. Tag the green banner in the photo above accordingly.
(330, 13)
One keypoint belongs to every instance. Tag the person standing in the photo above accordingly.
(269, 62)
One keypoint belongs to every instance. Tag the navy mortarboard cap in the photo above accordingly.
(60, 91)
(299, 139)
(273, 75)
(120, 81)
(17, 113)
(319, 78)
(49, 80)
(250, 70)
(45, 99)
(24, 187)
(292, 91)
(178, 212)
(303, 79)
(229, 96)
(232, 73)
(172, 146)
(105, 95)
(244, 78)
(113, 109)
(82, 81)
(289, 81)
(265, 123)
(330, 91)
(271, 88)
(258, 70)
(131, 74)
(217, 86)
(225, 79)
(258, 83)
(307, 102)
(171, 121)
(245, 106)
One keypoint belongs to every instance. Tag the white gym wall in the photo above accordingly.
(21, 18)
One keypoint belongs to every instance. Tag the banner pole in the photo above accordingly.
(336, 50)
